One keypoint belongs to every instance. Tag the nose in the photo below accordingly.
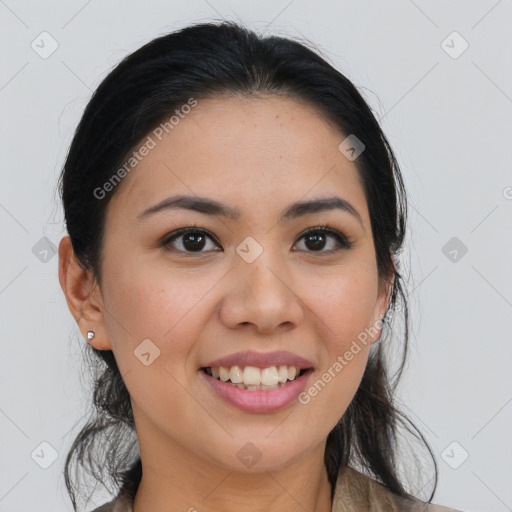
(260, 294)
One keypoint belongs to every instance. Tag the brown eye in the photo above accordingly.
(320, 239)
(188, 240)
(316, 239)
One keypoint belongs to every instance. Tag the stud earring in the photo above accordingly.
(90, 335)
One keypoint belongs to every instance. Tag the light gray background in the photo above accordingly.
(449, 120)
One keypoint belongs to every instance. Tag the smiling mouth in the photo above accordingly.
(255, 379)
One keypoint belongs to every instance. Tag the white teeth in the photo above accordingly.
(223, 373)
(251, 377)
(269, 376)
(283, 374)
(235, 375)
(258, 388)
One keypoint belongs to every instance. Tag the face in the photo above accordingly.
(171, 303)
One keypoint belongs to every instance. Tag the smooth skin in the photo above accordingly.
(200, 301)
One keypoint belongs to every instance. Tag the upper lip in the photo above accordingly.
(261, 360)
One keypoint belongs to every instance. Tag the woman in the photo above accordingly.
(234, 215)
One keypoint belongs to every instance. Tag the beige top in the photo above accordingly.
(355, 492)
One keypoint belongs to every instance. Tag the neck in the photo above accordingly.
(176, 480)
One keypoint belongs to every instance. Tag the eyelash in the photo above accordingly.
(343, 241)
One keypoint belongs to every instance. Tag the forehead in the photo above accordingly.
(269, 150)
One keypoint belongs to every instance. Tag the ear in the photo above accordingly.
(381, 305)
(82, 295)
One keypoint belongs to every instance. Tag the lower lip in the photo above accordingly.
(259, 401)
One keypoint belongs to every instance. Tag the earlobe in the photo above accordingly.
(80, 289)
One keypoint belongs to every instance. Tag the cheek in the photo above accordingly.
(343, 304)
(145, 303)
(343, 307)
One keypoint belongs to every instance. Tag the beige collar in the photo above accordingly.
(356, 492)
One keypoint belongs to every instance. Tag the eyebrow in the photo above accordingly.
(211, 207)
